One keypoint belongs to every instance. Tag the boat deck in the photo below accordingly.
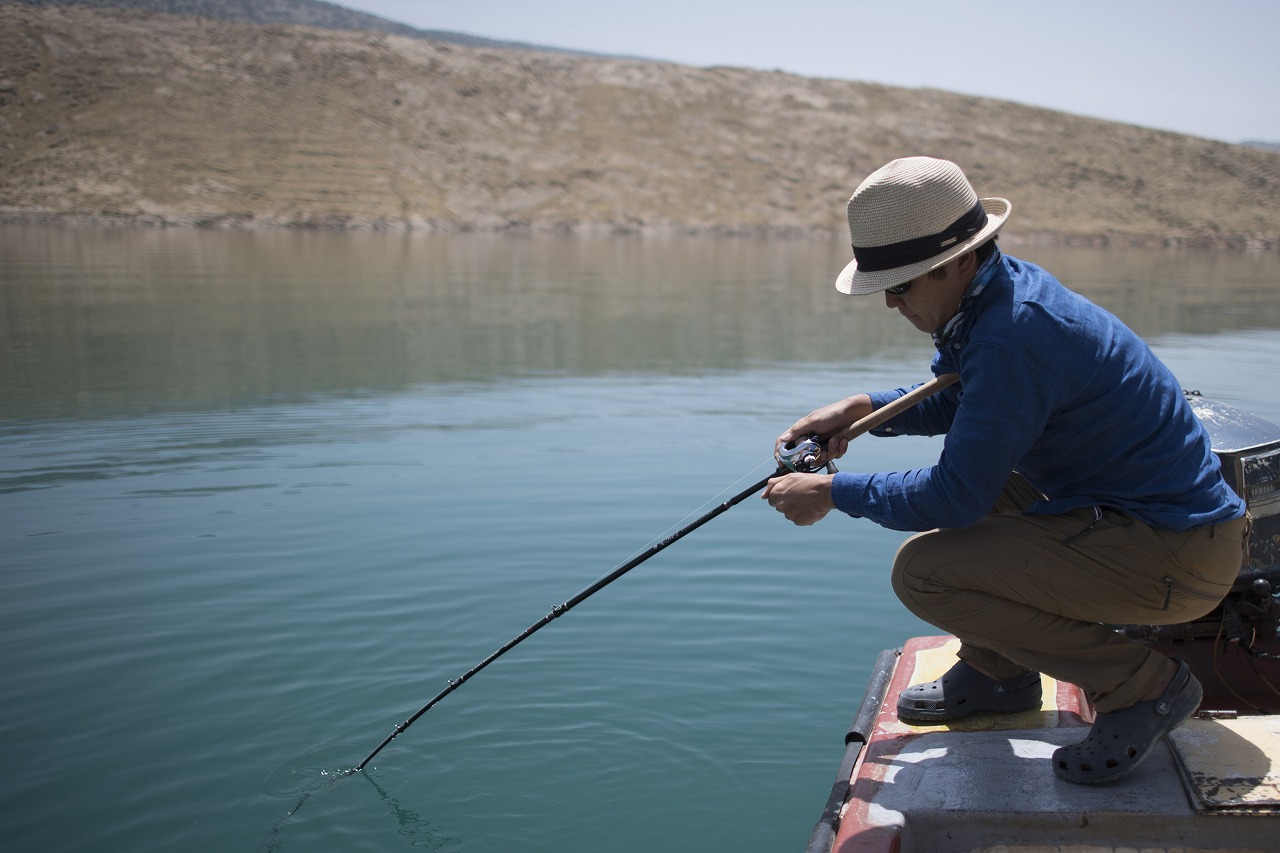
(986, 784)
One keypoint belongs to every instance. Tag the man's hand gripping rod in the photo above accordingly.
(802, 457)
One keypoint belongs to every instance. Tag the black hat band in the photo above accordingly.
(908, 252)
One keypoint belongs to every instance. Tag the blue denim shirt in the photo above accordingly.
(1060, 390)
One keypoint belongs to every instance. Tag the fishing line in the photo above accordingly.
(795, 459)
(272, 844)
(701, 508)
(804, 456)
(560, 609)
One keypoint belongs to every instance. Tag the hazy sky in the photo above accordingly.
(1205, 68)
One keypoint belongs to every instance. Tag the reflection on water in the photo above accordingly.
(1173, 292)
(117, 321)
(263, 493)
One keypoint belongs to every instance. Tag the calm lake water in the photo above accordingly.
(263, 494)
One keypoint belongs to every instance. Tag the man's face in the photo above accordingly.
(929, 302)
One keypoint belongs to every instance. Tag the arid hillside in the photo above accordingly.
(113, 115)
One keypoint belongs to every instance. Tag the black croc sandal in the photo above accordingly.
(963, 691)
(1120, 740)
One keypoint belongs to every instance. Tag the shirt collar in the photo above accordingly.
(977, 284)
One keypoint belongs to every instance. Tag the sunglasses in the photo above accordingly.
(898, 289)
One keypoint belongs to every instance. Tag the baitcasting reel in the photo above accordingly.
(802, 457)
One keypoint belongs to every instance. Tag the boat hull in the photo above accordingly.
(986, 783)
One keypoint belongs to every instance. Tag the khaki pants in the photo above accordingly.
(1036, 592)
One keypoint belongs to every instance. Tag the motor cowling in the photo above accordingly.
(1248, 448)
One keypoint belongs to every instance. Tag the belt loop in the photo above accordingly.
(1088, 528)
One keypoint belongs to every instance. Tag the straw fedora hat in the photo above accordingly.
(911, 216)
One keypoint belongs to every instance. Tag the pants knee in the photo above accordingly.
(910, 571)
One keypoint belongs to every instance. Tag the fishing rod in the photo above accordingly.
(801, 457)
(561, 609)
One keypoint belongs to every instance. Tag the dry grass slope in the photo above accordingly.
(136, 117)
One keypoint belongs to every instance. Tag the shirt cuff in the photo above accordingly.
(880, 399)
(847, 488)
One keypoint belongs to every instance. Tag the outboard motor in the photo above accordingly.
(1228, 646)
(1249, 449)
